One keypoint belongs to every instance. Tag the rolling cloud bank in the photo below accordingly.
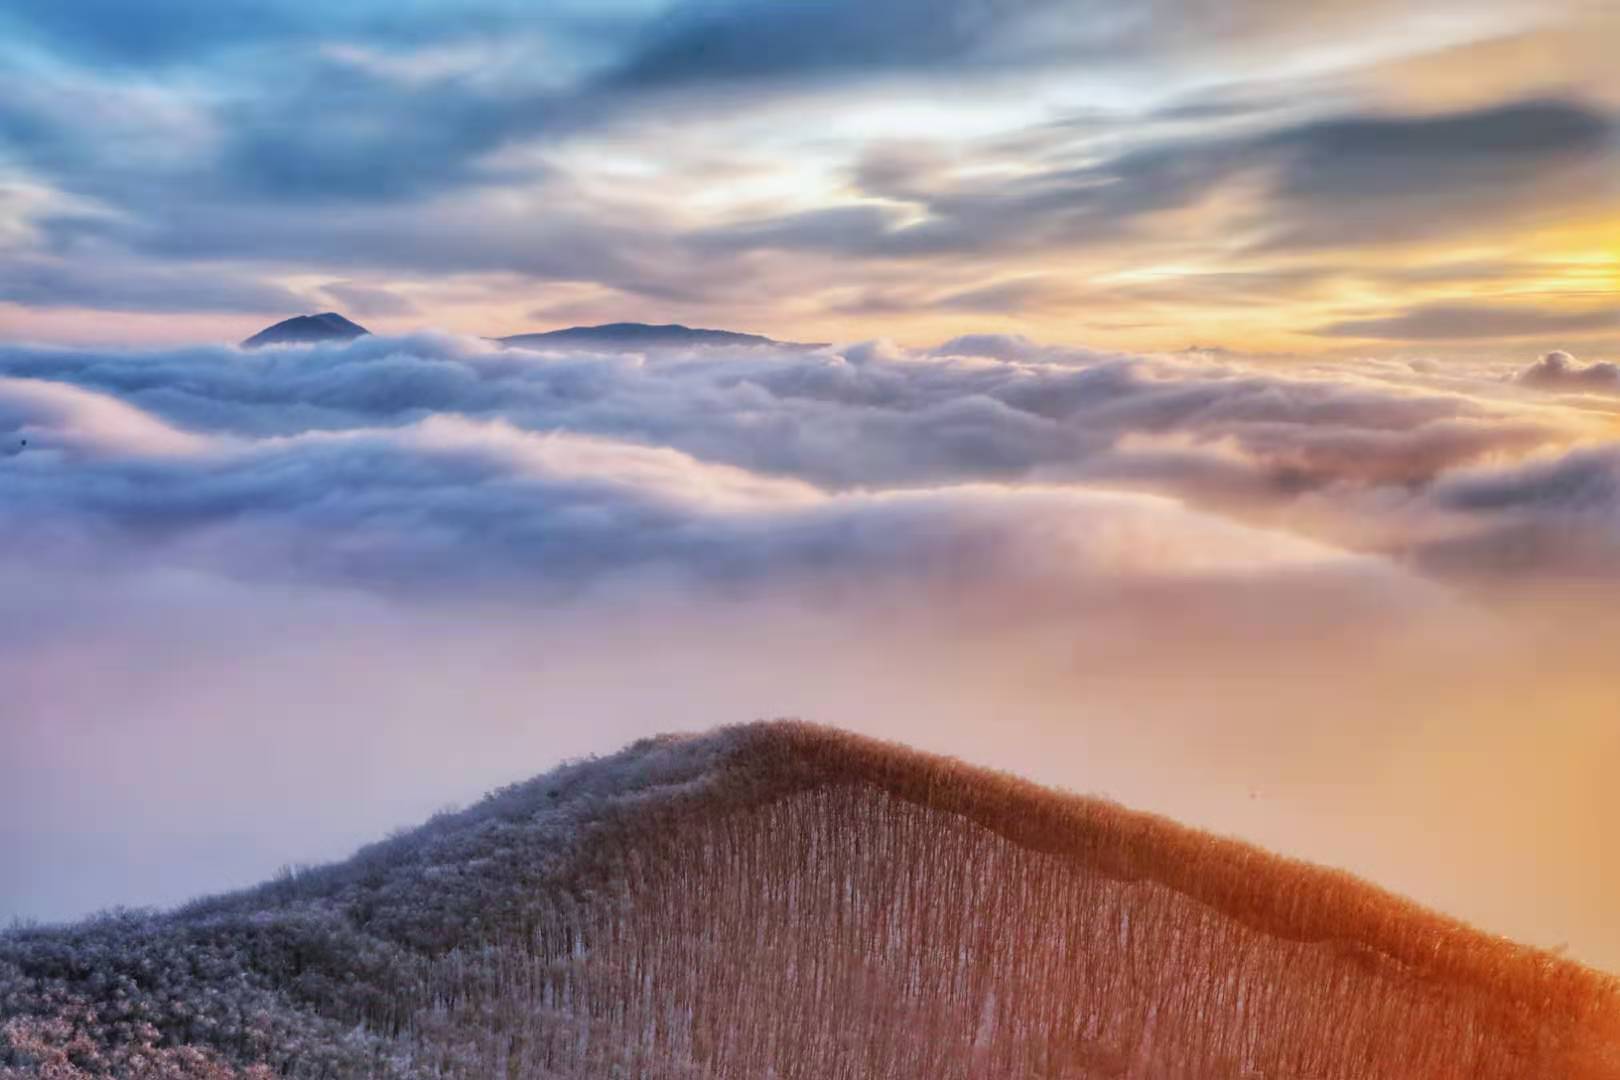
(1314, 602)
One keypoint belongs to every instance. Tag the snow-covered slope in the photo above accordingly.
(782, 900)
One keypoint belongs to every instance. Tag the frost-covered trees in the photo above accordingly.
(65, 1046)
(785, 901)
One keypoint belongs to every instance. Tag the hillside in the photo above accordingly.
(784, 900)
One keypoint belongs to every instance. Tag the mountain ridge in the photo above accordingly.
(331, 326)
(634, 334)
(787, 847)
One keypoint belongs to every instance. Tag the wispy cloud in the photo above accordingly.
(721, 162)
(1439, 322)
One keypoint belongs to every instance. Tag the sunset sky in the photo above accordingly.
(1290, 177)
(1211, 405)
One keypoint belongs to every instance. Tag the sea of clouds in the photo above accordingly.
(260, 606)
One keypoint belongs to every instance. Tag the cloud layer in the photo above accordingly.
(442, 466)
(744, 450)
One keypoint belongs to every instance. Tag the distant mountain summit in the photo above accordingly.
(330, 326)
(306, 330)
(641, 335)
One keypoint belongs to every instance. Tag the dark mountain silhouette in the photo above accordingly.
(787, 901)
(330, 326)
(307, 329)
(641, 335)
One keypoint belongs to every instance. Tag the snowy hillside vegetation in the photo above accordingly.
(782, 900)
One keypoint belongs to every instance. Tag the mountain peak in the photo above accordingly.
(307, 329)
(789, 900)
(622, 335)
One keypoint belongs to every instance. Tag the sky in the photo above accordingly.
(1325, 177)
(1219, 411)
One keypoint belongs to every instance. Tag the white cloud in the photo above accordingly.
(40, 416)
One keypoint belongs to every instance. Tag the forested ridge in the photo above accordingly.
(783, 900)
